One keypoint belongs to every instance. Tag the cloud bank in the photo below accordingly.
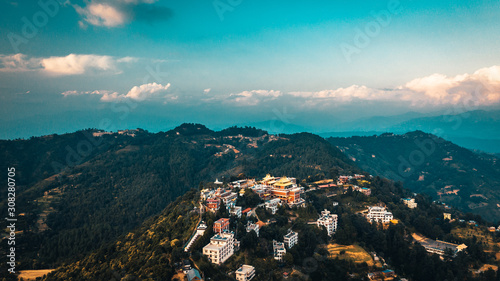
(72, 64)
(481, 88)
(143, 92)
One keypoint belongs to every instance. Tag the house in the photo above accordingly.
(253, 227)
(235, 211)
(248, 212)
(379, 214)
(410, 203)
(329, 221)
(382, 275)
(193, 275)
(220, 248)
(272, 205)
(279, 250)
(221, 225)
(213, 204)
(335, 204)
(291, 239)
(447, 216)
(245, 273)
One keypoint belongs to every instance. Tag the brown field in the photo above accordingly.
(352, 252)
(33, 274)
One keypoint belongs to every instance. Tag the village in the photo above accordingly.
(274, 193)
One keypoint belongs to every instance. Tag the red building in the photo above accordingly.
(221, 225)
(213, 205)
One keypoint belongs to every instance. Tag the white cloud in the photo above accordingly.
(254, 97)
(71, 64)
(18, 63)
(146, 91)
(101, 14)
(138, 93)
(108, 13)
(482, 88)
(206, 91)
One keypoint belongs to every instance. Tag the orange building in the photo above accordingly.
(213, 204)
(221, 225)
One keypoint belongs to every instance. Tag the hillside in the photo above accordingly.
(152, 251)
(133, 175)
(428, 164)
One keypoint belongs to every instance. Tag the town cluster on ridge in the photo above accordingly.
(274, 192)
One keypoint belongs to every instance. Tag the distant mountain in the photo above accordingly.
(432, 165)
(79, 191)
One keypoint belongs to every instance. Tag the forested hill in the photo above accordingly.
(432, 165)
(79, 191)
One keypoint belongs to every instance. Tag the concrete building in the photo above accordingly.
(253, 227)
(213, 204)
(245, 273)
(279, 250)
(329, 221)
(220, 248)
(273, 204)
(291, 239)
(379, 214)
(235, 211)
(410, 203)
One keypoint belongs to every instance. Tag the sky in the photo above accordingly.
(66, 65)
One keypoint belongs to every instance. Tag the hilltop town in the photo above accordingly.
(240, 211)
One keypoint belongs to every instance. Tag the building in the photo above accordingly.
(272, 205)
(447, 216)
(235, 211)
(220, 248)
(193, 275)
(248, 212)
(245, 273)
(379, 214)
(253, 227)
(213, 204)
(279, 250)
(291, 239)
(329, 221)
(221, 225)
(410, 203)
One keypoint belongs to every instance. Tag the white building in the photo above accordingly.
(235, 211)
(272, 205)
(220, 248)
(410, 203)
(245, 273)
(379, 214)
(291, 239)
(329, 221)
(279, 250)
(253, 227)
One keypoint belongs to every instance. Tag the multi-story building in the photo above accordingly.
(253, 227)
(272, 205)
(279, 250)
(329, 221)
(291, 239)
(213, 204)
(410, 203)
(379, 214)
(221, 225)
(235, 211)
(245, 273)
(220, 248)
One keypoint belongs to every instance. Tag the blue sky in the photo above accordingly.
(239, 61)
